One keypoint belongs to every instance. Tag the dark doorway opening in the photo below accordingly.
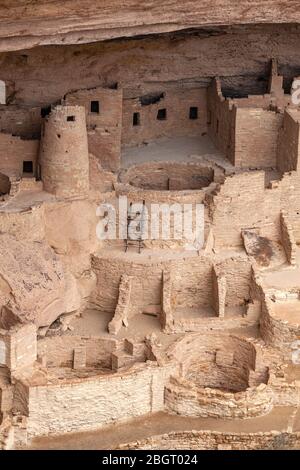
(193, 112)
(136, 119)
(27, 167)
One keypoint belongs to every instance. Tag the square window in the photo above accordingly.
(95, 107)
(162, 114)
(136, 119)
(27, 167)
(193, 112)
(71, 118)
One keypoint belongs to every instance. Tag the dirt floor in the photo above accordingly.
(183, 149)
(280, 418)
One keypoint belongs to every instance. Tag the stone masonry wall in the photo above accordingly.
(186, 399)
(256, 133)
(177, 121)
(105, 126)
(14, 151)
(288, 142)
(91, 403)
(58, 351)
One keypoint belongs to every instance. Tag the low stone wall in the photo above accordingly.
(58, 351)
(187, 399)
(218, 378)
(87, 404)
(276, 331)
(214, 440)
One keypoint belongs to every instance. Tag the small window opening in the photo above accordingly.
(136, 120)
(217, 127)
(95, 108)
(71, 118)
(193, 112)
(27, 167)
(162, 114)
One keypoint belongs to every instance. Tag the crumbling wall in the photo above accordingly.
(219, 292)
(288, 240)
(122, 311)
(167, 317)
(144, 120)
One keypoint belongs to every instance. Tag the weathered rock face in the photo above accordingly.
(33, 285)
(26, 23)
(240, 56)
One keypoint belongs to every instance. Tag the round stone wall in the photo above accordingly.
(64, 155)
(168, 176)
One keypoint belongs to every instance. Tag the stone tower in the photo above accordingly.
(64, 156)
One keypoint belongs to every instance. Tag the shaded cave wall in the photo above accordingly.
(239, 55)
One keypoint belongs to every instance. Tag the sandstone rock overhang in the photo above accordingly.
(27, 23)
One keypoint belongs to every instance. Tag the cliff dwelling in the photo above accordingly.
(149, 225)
